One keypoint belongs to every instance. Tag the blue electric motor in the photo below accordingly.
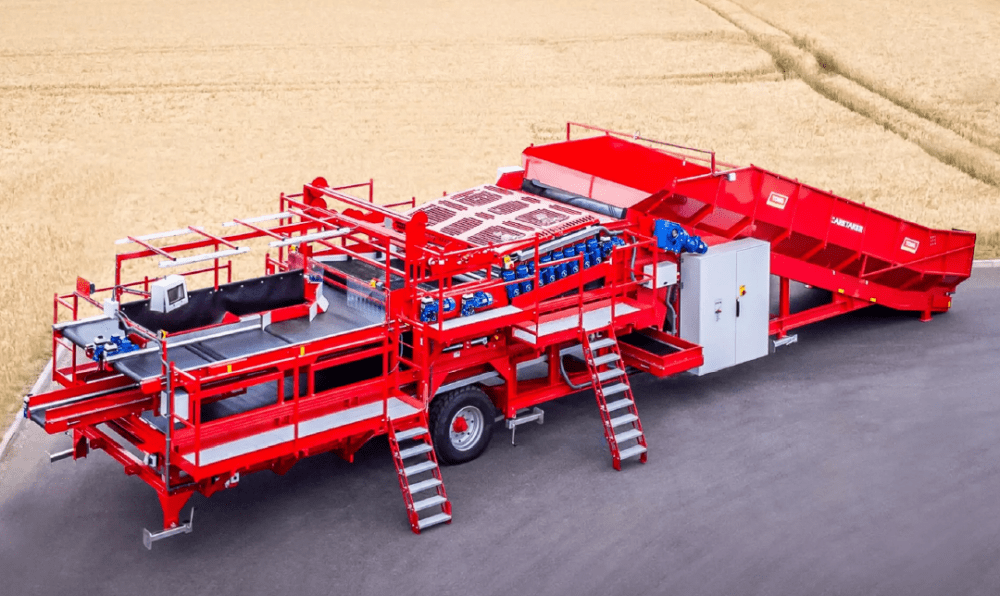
(606, 247)
(114, 345)
(513, 290)
(581, 249)
(547, 275)
(593, 251)
(429, 308)
(561, 270)
(521, 272)
(573, 266)
(671, 236)
(695, 244)
(471, 302)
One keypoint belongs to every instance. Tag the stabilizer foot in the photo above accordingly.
(784, 341)
(523, 417)
(54, 457)
(148, 538)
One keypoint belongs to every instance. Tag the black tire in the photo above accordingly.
(443, 412)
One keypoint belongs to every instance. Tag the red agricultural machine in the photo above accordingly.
(596, 257)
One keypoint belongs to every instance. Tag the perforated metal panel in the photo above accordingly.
(489, 214)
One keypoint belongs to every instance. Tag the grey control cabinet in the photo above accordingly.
(725, 302)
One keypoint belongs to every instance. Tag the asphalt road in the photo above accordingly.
(862, 460)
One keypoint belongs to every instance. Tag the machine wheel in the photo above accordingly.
(461, 424)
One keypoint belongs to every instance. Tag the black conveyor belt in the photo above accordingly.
(339, 318)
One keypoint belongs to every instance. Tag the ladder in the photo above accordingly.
(622, 427)
(417, 469)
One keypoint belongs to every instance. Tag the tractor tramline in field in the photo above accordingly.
(430, 323)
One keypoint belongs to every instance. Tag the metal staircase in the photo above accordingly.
(622, 427)
(417, 469)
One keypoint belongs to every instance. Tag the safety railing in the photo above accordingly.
(386, 342)
(85, 292)
(618, 283)
(370, 185)
(446, 289)
(386, 242)
(191, 380)
(294, 407)
(637, 276)
(699, 155)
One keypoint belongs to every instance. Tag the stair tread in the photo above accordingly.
(410, 433)
(418, 468)
(612, 357)
(433, 520)
(629, 434)
(630, 417)
(601, 343)
(428, 502)
(632, 451)
(424, 485)
(619, 404)
(416, 450)
(610, 374)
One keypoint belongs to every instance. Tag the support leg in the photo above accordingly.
(282, 466)
(783, 306)
(80, 445)
(171, 505)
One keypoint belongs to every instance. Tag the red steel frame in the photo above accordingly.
(862, 255)
(418, 358)
(429, 257)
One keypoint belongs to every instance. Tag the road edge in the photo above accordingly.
(19, 415)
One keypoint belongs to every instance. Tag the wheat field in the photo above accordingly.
(935, 58)
(133, 116)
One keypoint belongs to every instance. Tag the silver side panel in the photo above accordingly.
(708, 306)
(753, 275)
(711, 288)
(666, 274)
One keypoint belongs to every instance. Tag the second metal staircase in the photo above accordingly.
(418, 472)
(622, 427)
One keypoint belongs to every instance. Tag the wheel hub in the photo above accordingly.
(467, 428)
